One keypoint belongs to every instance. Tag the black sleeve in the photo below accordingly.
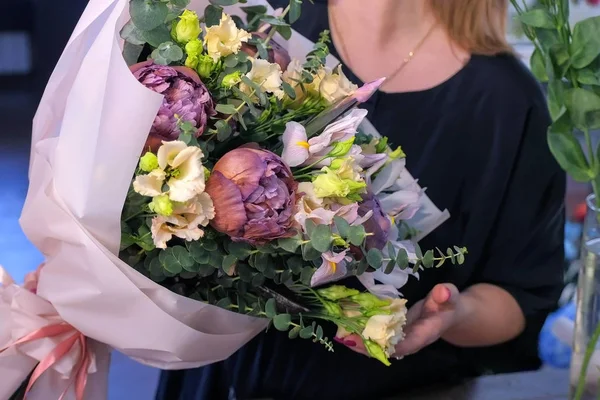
(519, 210)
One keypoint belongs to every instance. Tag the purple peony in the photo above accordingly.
(254, 194)
(185, 97)
(379, 224)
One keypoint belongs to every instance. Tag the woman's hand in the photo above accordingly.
(427, 321)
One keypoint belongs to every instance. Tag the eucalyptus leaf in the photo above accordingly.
(226, 109)
(224, 3)
(223, 130)
(131, 34)
(254, 9)
(285, 31)
(320, 238)
(289, 90)
(342, 226)
(375, 258)
(290, 244)
(585, 45)
(180, 3)
(212, 15)
(428, 259)
(228, 262)
(402, 259)
(147, 15)
(294, 332)
(240, 250)
(538, 18)
(357, 235)
(157, 36)
(306, 275)
(306, 332)
(209, 245)
(271, 308)
(267, 19)
(230, 61)
(295, 10)
(309, 253)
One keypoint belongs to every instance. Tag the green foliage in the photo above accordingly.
(167, 53)
(148, 14)
(569, 60)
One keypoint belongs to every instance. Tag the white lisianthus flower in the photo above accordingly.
(185, 169)
(185, 222)
(224, 39)
(267, 75)
(387, 330)
(333, 85)
(150, 185)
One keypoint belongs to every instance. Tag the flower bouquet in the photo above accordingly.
(193, 184)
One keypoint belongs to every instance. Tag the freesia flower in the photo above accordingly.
(187, 28)
(387, 330)
(333, 268)
(185, 221)
(186, 99)
(254, 194)
(299, 150)
(378, 226)
(266, 75)
(224, 39)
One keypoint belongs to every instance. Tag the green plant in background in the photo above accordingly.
(568, 60)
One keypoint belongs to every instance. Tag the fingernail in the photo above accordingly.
(448, 293)
(350, 343)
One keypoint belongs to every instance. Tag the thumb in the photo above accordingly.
(442, 295)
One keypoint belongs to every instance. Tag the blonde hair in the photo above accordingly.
(476, 26)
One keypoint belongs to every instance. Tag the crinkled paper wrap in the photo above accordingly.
(88, 133)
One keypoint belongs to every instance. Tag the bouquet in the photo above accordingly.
(210, 187)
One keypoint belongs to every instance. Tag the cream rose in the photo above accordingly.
(224, 39)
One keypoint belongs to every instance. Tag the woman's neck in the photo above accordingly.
(388, 20)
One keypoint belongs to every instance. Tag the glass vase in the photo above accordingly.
(585, 362)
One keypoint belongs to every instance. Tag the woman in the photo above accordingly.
(473, 121)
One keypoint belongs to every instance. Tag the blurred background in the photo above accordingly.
(32, 36)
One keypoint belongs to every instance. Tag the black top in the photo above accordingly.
(478, 143)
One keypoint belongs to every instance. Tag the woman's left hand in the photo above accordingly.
(427, 321)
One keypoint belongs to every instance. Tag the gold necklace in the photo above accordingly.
(405, 61)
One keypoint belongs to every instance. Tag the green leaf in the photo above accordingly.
(147, 15)
(224, 303)
(310, 226)
(131, 34)
(289, 90)
(309, 253)
(245, 272)
(267, 19)
(402, 259)
(389, 268)
(230, 62)
(357, 235)
(538, 18)
(306, 275)
(342, 226)
(295, 10)
(428, 259)
(585, 45)
(556, 92)
(271, 308)
(320, 238)
(240, 250)
(295, 264)
(226, 109)
(212, 15)
(290, 244)
(391, 250)
(223, 3)
(285, 32)
(375, 258)
(254, 9)
(319, 332)
(156, 267)
(589, 76)
(306, 332)
(558, 61)
(362, 267)
(199, 255)
(584, 108)
(180, 3)
(258, 280)
(294, 332)
(228, 262)
(209, 245)
(538, 66)
(223, 130)
(547, 38)
(567, 151)
(157, 36)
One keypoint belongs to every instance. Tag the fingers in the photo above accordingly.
(419, 335)
(354, 343)
(441, 295)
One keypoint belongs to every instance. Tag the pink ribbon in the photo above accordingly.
(57, 354)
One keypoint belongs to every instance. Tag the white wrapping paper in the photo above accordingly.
(88, 133)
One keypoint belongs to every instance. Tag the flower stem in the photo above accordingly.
(273, 29)
(589, 351)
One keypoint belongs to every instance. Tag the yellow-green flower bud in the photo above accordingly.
(337, 292)
(398, 153)
(206, 66)
(333, 309)
(381, 145)
(369, 301)
(377, 352)
(188, 27)
(231, 79)
(161, 205)
(206, 173)
(339, 241)
(193, 49)
(340, 149)
(148, 162)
